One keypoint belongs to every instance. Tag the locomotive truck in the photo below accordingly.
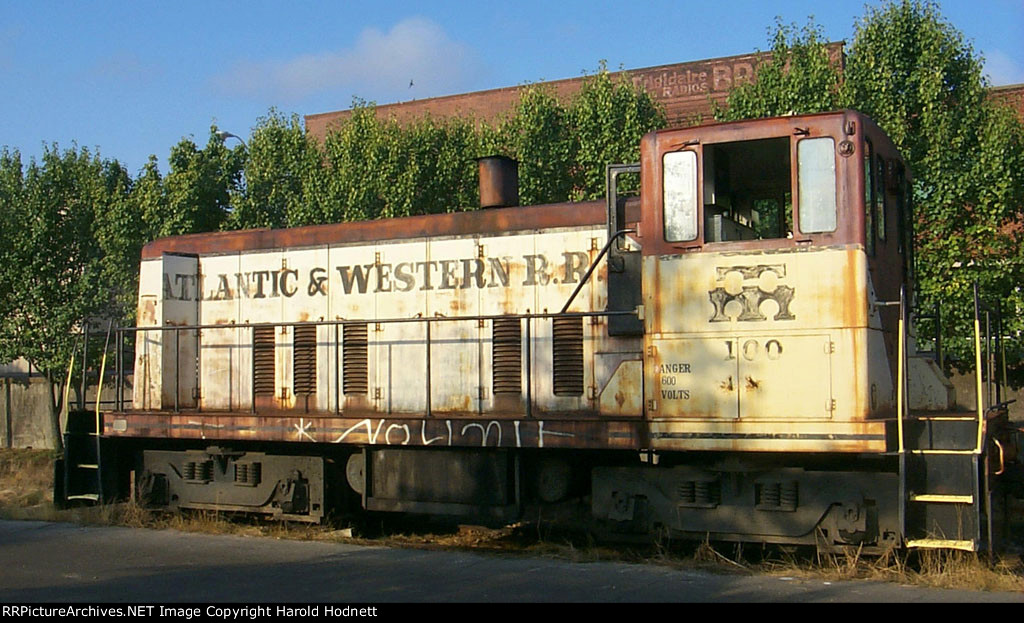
(726, 356)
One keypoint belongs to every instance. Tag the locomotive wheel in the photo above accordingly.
(554, 477)
(355, 472)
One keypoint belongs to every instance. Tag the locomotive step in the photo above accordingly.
(966, 545)
(942, 498)
(941, 434)
(92, 497)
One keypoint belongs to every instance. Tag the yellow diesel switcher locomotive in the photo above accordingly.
(726, 356)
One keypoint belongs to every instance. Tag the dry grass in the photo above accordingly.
(932, 568)
(26, 485)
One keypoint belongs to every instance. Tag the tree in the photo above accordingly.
(65, 233)
(538, 133)
(609, 117)
(916, 76)
(198, 187)
(563, 148)
(277, 167)
(799, 77)
(379, 168)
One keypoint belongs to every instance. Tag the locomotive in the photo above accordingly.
(726, 356)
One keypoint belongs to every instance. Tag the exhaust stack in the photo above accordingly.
(499, 182)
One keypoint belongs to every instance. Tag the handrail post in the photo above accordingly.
(900, 372)
(337, 375)
(177, 369)
(979, 391)
(988, 356)
(120, 368)
(1002, 351)
(85, 366)
(529, 369)
(429, 413)
(99, 380)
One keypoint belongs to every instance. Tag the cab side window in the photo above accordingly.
(870, 188)
(680, 195)
(816, 167)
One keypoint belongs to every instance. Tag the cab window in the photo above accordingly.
(880, 198)
(870, 188)
(816, 166)
(680, 195)
(747, 190)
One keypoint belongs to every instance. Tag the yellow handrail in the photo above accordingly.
(67, 390)
(977, 376)
(99, 381)
(899, 374)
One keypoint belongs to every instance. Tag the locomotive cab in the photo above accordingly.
(769, 250)
(774, 257)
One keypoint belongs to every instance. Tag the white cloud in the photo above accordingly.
(1002, 69)
(379, 66)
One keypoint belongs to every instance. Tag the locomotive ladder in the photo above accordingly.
(945, 499)
(79, 472)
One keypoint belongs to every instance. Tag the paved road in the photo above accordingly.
(58, 562)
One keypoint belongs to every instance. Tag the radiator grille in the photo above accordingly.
(304, 359)
(354, 351)
(567, 345)
(263, 360)
(507, 356)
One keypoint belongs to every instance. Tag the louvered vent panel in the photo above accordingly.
(263, 360)
(354, 352)
(304, 359)
(567, 344)
(507, 356)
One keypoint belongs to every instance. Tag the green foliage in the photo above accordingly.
(609, 117)
(70, 241)
(799, 78)
(381, 169)
(538, 134)
(563, 149)
(914, 73)
(198, 186)
(277, 167)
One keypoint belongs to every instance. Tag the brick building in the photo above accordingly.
(686, 90)
(1012, 95)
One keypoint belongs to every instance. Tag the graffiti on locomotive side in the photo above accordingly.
(377, 277)
(750, 297)
(494, 433)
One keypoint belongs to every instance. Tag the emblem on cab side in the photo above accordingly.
(755, 287)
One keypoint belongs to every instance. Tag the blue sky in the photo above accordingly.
(132, 78)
